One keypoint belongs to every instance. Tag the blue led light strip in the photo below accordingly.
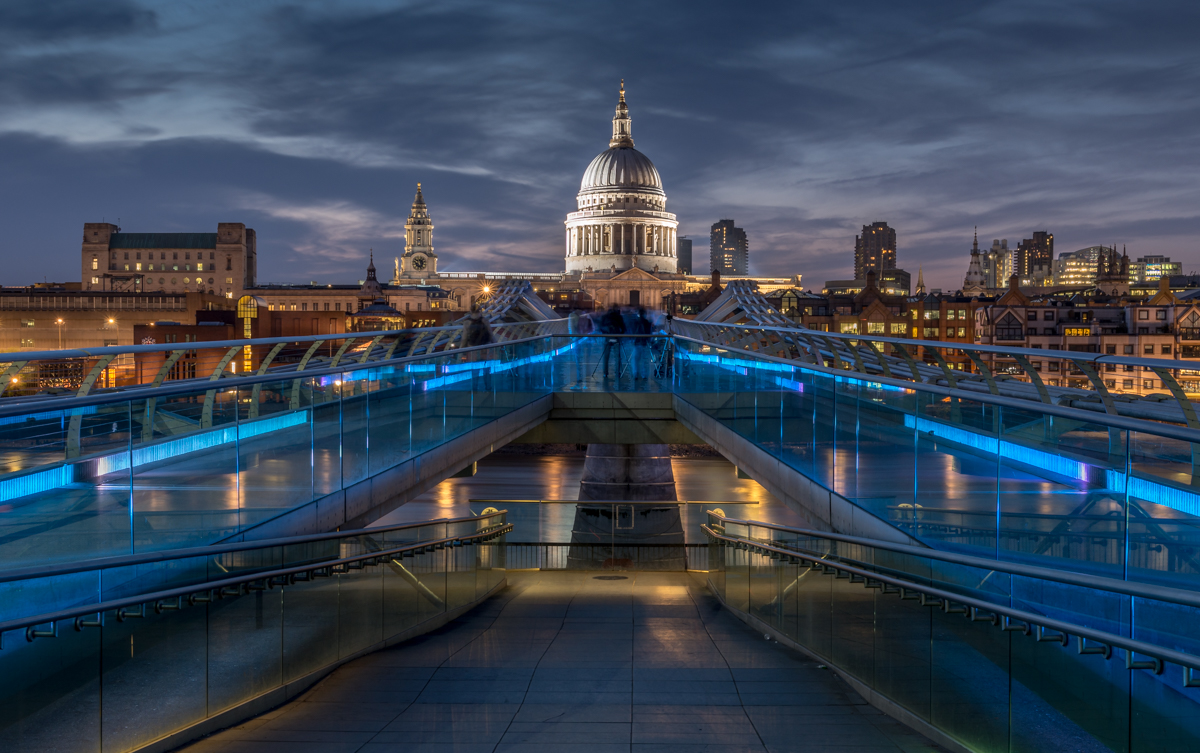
(64, 475)
(1138, 488)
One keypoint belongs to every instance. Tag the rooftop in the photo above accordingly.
(163, 240)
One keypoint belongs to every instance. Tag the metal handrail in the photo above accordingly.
(1046, 629)
(189, 386)
(107, 350)
(1065, 355)
(204, 593)
(166, 555)
(1098, 582)
(1148, 426)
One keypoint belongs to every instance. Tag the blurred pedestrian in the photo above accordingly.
(612, 324)
(642, 327)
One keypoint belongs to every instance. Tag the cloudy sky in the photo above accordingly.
(312, 123)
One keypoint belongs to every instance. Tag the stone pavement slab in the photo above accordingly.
(561, 662)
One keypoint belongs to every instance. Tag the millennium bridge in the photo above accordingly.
(987, 563)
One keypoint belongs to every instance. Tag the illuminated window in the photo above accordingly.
(899, 328)
(849, 328)
(875, 328)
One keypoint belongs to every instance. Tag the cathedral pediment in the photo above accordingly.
(636, 274)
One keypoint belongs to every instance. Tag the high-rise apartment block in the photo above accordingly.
(1034, 259)
(874, 250)
(683, 256)
(729, 252)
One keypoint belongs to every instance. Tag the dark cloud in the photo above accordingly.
(802, 121)
(25, 21)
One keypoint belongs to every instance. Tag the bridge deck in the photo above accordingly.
(562, 661)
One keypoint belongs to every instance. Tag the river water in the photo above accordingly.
(537, 491)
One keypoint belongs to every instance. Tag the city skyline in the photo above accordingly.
(285, 132)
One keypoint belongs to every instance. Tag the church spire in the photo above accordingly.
(622, 135)
(975, 243)
(920, 280)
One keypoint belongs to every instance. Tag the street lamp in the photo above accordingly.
(59, 322)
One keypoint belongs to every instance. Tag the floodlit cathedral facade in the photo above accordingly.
(622, 221)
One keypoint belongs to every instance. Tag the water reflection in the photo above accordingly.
(699, 483)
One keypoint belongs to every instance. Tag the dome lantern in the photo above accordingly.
(622, 123)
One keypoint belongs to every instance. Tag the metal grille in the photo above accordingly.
(543, 556)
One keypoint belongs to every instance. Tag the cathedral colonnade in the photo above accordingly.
(621, 239)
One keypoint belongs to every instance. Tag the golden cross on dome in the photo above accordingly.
(622, 90)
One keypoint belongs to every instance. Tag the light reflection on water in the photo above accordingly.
(556, 477)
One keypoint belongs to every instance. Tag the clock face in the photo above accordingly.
(418, 263)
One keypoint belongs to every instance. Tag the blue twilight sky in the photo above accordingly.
(312, 122)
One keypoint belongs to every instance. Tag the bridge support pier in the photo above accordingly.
(627, 534)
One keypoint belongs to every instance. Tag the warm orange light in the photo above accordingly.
(112, 321)
(58, 321)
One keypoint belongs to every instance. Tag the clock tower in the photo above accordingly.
(419, 261)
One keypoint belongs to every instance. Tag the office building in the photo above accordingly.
(997, 263)
(1152, 268)
(1079, 267)
(683, 256)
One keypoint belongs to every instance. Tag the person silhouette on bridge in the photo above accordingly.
(612, 323)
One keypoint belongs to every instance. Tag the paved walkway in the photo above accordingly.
(561, 662)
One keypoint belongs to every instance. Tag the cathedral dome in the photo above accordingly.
(621, 167)
(622, 221)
